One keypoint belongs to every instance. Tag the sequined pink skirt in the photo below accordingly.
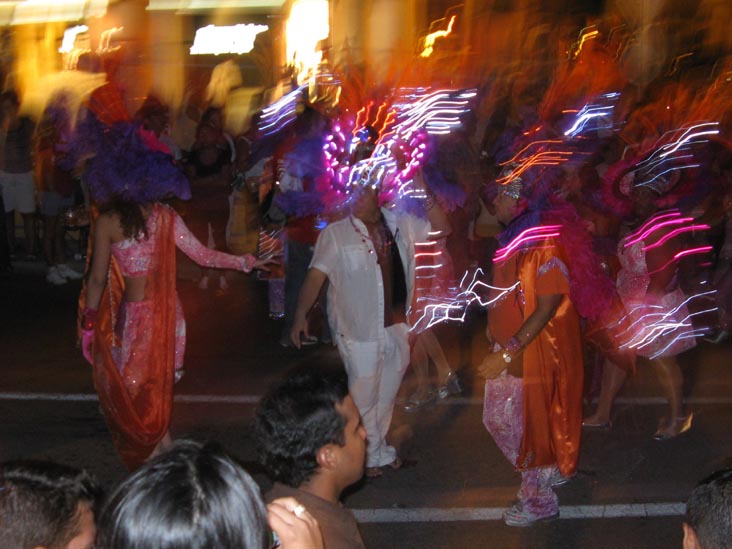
(133, 333)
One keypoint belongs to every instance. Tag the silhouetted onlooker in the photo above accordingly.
(46, 505)
(708, 520)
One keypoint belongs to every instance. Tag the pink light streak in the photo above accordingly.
(684, 253)
(665, 238)
(528, 235)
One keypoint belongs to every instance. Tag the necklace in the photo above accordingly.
(381, 239)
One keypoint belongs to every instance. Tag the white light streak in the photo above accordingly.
(67, 44)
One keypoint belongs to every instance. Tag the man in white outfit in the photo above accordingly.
(368, 258)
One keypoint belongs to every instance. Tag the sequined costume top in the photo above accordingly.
(139, 345)
(134, 255)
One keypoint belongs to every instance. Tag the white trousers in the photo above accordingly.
(375, 371)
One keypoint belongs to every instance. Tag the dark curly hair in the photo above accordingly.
(297, 418)
(39, 503)
(130, 218)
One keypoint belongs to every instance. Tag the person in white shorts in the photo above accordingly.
(16, 171)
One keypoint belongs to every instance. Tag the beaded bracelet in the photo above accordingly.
(513, 346)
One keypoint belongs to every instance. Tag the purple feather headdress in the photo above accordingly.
(122, 167)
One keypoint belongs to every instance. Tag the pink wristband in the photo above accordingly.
(89, 319)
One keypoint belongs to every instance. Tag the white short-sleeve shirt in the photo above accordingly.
(356, 290)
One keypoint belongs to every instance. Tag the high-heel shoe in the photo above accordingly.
(416, 403)
(451, 386)
(596, 426)
(677, 426)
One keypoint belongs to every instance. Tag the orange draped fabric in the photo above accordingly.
(138, 415)
(552, 363)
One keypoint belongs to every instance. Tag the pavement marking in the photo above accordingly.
(91, 397)
(253, 399)
(620, 510)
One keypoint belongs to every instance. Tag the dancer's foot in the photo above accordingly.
(518, 516)
(597, 423)
(671, 429)
(418, 401)
(558, 479)
(398, 463)
(451, 386)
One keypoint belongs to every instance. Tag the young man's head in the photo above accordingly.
(46, 505)
(308, 428)
(708, 521)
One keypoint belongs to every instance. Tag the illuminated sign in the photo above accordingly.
(216, 40)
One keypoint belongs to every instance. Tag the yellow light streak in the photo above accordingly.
(429, 40)
(307, 25)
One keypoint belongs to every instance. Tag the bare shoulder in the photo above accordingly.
(108, 225)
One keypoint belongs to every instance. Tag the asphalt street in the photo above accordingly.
(630, 490)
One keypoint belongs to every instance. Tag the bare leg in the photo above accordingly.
(669, 373)
(29, 225)
(613, 378)
(58, 241)
(49, 233)
(434, 351)
(10, 224)
(420, 363)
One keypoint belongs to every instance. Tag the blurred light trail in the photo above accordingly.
(429, 40)
(532, 234)
(443, 309)
(70, 34)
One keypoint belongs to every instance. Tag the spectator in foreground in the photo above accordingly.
(708, 520)
(197, 497)
(313, 443)
(45, 505)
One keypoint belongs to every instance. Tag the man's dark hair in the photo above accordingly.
(709, 510)
(194, 496)
(297, 418)
(39, 503)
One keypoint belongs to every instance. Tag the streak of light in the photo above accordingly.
(67, 44)
(671, 234)
(684, 253)
(531, 234)
(280, 113)
(429, 40)
(647, 328)
(454, 310)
